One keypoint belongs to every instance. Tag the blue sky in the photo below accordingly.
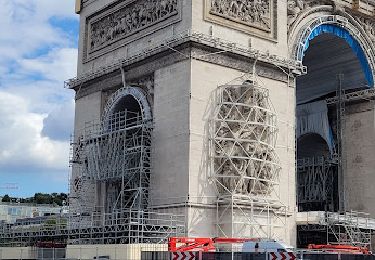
(38, 51)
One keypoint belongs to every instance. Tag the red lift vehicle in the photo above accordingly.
(203, 244)
(347, 249)
(206, 244)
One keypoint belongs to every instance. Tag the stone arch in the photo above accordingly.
(321, 20)
(137, 93)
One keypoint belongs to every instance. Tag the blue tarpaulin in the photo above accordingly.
(353, 43)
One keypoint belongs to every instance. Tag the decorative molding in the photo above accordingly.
(256, 17)
(318, 12)
(298, 8)
(239, 63)
(368, 26)
(117, 97)
(142, 75)
(126, 21)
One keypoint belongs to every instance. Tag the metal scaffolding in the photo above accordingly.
(245, 166)
(349, 228)
(124, 227)
(119, 156)
(323, 227)
(112, 167)
(317, 184)
(320, 189)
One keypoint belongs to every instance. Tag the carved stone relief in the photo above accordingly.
(245, 160)
(128, 20)
(250, 12)
(368, 25)
(294, 8)
(252, 16)
(298, 7)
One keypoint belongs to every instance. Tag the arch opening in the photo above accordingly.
(124, 149)
(127, 103)
(126, 106)
(345, 35)
(329, 51)
(326, 57)
(126, 112)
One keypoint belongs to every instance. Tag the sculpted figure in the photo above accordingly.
(250, 11)
(129, 24)
(234, 8)
(294, 7)
(128, 19)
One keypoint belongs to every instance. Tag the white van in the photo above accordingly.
(265, 246)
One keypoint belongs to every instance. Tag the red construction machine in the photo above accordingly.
(207, 244)
(346, 249)
(203, 244)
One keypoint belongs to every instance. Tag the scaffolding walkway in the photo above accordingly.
(354, 228)
(122, 227)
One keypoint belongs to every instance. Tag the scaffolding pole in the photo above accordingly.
(245, 166)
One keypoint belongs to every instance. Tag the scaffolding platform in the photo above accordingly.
(123, 227)
(354, 228)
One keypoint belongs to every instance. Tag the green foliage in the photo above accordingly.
(40, 198)
(6, 198)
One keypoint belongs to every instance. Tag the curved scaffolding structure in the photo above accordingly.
(245, 136)
(245, 165)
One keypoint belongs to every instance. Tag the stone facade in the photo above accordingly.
(142, 43)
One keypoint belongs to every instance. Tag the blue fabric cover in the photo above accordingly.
(353, 43)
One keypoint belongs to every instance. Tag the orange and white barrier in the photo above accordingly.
(184, 256)
(282, 256)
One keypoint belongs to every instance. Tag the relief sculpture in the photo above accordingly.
(129, 20)
(245, 160)
(255, 13)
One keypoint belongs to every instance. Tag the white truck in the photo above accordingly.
(265, 246)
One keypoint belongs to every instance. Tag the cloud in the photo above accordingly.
(58, 124)
(26, 27)
(38, 51)
(21, 143)
(57, 64)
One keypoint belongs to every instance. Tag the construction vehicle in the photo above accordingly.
(266, 245)
(343, 249)
(206, 244)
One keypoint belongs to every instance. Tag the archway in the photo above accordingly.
(124, 149)
(328, 50)
(126, 105)
(312, 25)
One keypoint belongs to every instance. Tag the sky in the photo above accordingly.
(38, 51)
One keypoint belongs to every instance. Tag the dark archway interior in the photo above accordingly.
(328, 56)
(128, 103)
(317, 171)
(127, 111)
(311, 145)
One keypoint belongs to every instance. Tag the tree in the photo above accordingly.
(6, 198)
